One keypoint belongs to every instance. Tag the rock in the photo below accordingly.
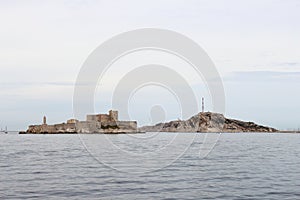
(207, 122)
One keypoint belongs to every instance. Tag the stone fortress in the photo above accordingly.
(96, 123)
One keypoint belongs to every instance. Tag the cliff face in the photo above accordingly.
(57, 128)
(207, 122)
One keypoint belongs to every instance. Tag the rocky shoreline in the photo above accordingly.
(204, 122)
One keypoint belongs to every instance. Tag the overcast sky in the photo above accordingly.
(255, 46)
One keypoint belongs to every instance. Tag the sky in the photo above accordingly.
(255, 46)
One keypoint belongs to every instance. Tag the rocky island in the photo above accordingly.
(207, 122)
(96, 123)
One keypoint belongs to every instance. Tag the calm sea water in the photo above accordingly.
(240, 166)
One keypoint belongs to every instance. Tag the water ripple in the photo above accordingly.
(242, 166)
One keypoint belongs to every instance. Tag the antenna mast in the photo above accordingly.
(203, 104)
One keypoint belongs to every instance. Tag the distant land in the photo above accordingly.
(208, 122)
(205, 122)
(94, 123)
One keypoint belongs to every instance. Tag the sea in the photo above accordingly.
(150, 166)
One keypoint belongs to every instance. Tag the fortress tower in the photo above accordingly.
(44, 120)
(113, 114)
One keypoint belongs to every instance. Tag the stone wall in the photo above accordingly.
(91, 118)
(103, 118)
(111, 117)
(99, 118)
(88, 127)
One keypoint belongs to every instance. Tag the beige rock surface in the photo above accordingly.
(207, 122)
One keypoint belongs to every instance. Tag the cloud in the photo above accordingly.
(263, 76)
(293, 64)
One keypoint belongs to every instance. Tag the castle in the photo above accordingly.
(96, 123)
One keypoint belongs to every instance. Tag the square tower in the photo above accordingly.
(113, 114)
